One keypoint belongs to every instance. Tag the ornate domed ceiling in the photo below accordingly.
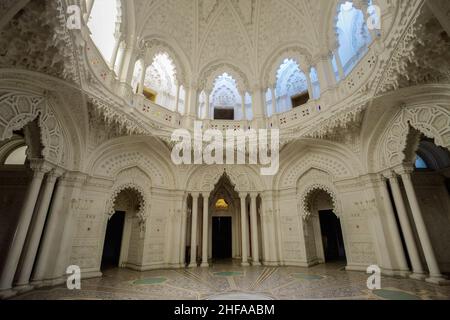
(246, 33)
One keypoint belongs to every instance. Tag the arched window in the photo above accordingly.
(353, 35)
(292, 86)
(17, 157)
(102, 24)
(225, 100)
(160, 83)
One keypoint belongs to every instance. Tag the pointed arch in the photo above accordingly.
(212, 71)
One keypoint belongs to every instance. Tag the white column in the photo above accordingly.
(89, 6)
(193, 102)
(12, 257)
(258, 103)
(121, 62)
(193, 262)
(393, 229)
(142, 80)
(244, 110)
(207, 106)
(36, 233)
(205, 231)
(274, 99)
(183, 233)
(411, 246)
(430, 257)
(310, 86)
(47, 241)
(115, 53)
(177, 103)
(325, 73)
(244, 230)
(254, 228)
(339, 65)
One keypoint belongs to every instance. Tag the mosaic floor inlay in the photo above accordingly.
(229, 281)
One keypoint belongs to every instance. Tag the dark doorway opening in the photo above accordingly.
(221, 242)
(223, 114)
(332, 239)
(113, 241)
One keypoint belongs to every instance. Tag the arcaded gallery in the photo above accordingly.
(224, 149)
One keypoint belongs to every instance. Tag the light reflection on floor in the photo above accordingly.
(230, 281)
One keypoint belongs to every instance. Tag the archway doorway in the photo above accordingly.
(224, 237)
(325, 228)
(431, 181)
(332, 239)
(113, 241)
(123, 233)
(221, 242)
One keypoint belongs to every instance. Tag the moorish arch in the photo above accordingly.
(19, 109)
(153, 46)
(119, 154)
(297, 53)
(313, 181)
(135, 179)
(205, 178)
(141, 206)
(432, 121)
(333, 162)
(212, 71)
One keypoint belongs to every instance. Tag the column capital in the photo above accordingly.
(404, 170)
(40, 166)
(254, 194)
(388, 174)
(205, 194)
(53, 175)
(243, 195)
(195, 195)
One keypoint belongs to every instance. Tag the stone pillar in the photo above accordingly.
(49, 236)
(205, 231)
(244, 229)
(192, 104)
(177, 102)
(411, 246)
(274, 99)
(207, 106)
(258, 103)
(89, 6)
(339, 65)
(244, 110)
(430, 257)
(11, 261)
(254, 228)
(38, 226)
(142, 80)
(325, 73)
(193, 262)
(183, 233)
(112, 63)
(122, 48)
(393, 229)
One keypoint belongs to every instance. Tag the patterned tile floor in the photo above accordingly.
(229, 281)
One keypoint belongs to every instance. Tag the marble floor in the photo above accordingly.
(229, 281)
